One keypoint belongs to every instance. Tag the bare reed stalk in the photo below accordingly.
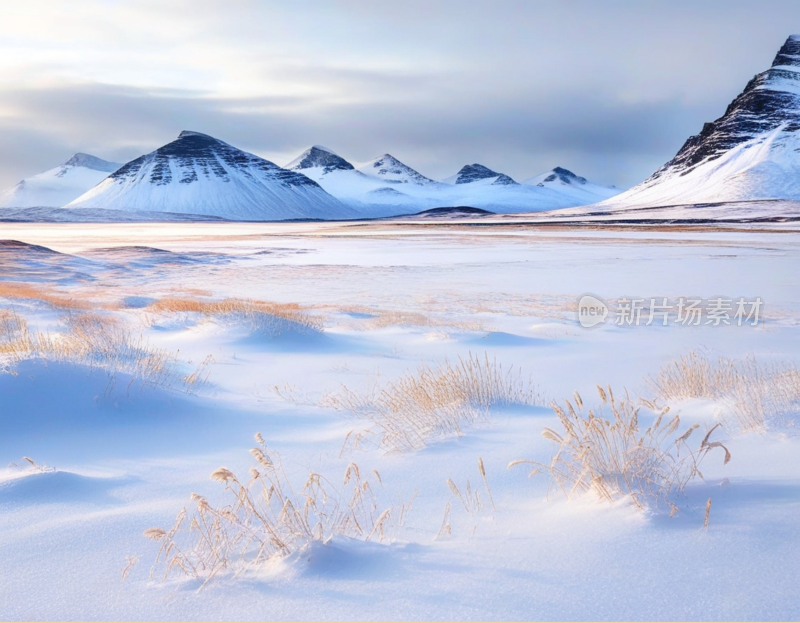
(614, 458)
(434, 402)
(755, 396)
(266, 519)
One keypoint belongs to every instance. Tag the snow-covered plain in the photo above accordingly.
(390, 295)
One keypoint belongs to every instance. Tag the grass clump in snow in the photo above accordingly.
(38, 292)
(261, 316)
(266, 519)
(755, 396)
(96, 341)
(16, 342)
(434, 402)
(607, 452)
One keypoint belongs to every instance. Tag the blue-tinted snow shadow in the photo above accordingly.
(52, 487)
(296, 341)
(67, 413)
(352, 559)
(501, 338)
(731, 503)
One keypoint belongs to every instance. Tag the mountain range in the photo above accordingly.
(198, 174)
(202, 175)
(387, 186)
(751, 153)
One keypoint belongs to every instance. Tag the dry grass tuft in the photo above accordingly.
(392, 318)
(615, 459)
(16, 342)
(37, 292)
(756, 396)
(267, 519)
(470, 497)
(262, 316)
(96, 341)
(433, 403)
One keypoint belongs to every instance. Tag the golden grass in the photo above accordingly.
(96, 341)
(433, 403)
(27, 291)
(392, 318)
(614, 458)
(16, 342)
(754, 396)
(267, 519)
(264, 316)
(470, 497)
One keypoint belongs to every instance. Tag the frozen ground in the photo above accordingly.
(388, 297)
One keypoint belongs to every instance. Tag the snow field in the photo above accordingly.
(385, 313)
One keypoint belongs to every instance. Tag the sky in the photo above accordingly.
(610, 90)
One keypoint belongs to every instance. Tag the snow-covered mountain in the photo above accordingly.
(582, 190)
(60, 185)
(381, 187)
(480, 187)
(199, 174)
(385, 186)
(479, 173)
(390, 170)
(752, 152)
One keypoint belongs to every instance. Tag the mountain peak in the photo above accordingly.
(323, 148)
(199, 174)
(320, 157)
(191, 133)
(564, 176)
(769, 101)
(195, 156)
(789, 54)
(476, 172)
(750, 152)
(91, 162)
(390, 169)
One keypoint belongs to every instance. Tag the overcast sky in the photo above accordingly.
(608, 89)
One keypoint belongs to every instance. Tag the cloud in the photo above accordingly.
(598, 137)
(610, 90)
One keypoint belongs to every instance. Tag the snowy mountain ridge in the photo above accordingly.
(389, 169)
(478, 173)
(749, 153)
(386, 186)
(199, 174)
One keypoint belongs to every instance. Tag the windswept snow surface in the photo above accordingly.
(58, 186)
(198, 174)
(117, 457)
(386, 187)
